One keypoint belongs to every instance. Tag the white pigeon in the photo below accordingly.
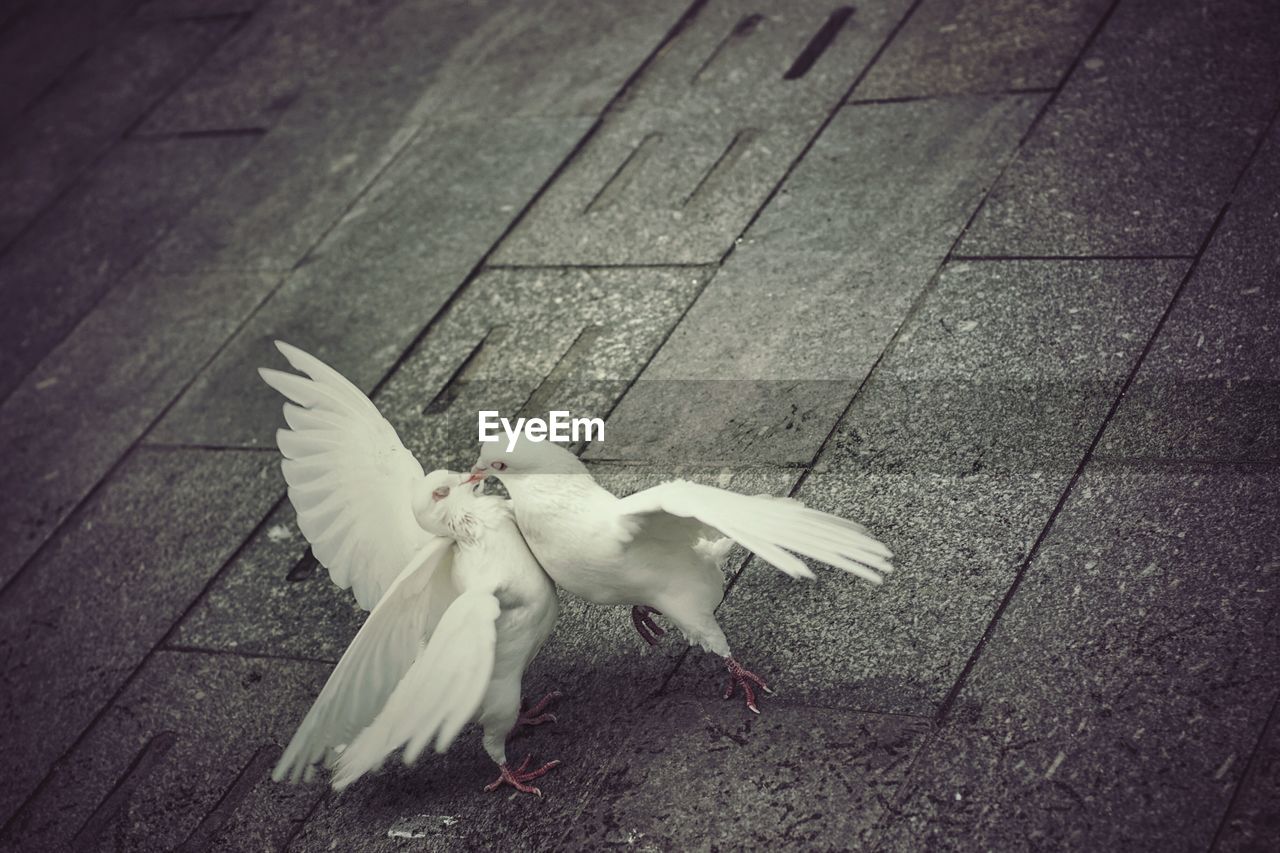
(455, 621)
(659, 549)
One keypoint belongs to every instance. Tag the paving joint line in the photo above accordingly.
(1056, 91)
(188, 649)
(1273, 719)
(942, 96)
(948, 703)
(997, 258)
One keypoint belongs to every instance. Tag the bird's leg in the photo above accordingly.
(642, 617)
(740, 676)
(516, 778)
(534, 716)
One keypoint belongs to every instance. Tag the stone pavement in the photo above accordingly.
(1000, 279)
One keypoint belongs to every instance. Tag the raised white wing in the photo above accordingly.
(439, 694)
(376, 661)
(350, 478)
(771, 527)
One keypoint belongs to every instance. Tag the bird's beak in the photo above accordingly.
(477, 475)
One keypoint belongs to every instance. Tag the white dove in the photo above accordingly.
(658, 549)
(466, 609)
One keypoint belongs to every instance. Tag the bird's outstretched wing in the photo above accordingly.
(377, 659)
(771, 527)
(350, 478)
(439, 694)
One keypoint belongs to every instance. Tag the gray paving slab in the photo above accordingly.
(42, 40)
(888, 177)
(1210, 387)
(1007, 366)
(330, 145)
(383, 272)
(59, 269)
(954, 453)
(93, 105)
(286, 46)
(684, 160)
(86, 404)
(1127, 682)
(204, 731)
(1130, 162)
(950, 47)
(792, 778)
(1253, 821)
(82, 615)
(514, 63)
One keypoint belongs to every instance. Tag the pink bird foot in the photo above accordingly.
(642, 617)
(739, 676)
(534, 716)
(517, 778)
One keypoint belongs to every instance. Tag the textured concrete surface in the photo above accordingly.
(99, 391)
(935, 266)
(1131, 162)
(81, 615)
(952, 47)
(1211, 388)
(70, 256)
(1116, 700)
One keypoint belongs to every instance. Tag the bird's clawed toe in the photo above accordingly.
(535, 716)
(519, 776)
(740, 676)
(642, 617)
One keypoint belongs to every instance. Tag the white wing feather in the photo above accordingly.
(771, 527)
(350, 477)
(439, 694)
(377, 659)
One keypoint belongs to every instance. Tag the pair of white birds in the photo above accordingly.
(455, 578)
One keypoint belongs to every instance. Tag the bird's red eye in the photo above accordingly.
(440, 493)
(498, 466)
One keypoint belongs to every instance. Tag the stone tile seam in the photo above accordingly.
(899, 795)
(1257, 149)
(189, 649)
(78, 181)
(945, 96)
(1034, 552)
(1000, 258)
(1071, 70)
(1246, 775)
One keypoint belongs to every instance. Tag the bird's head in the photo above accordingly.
(523, 459)
(442, 500)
